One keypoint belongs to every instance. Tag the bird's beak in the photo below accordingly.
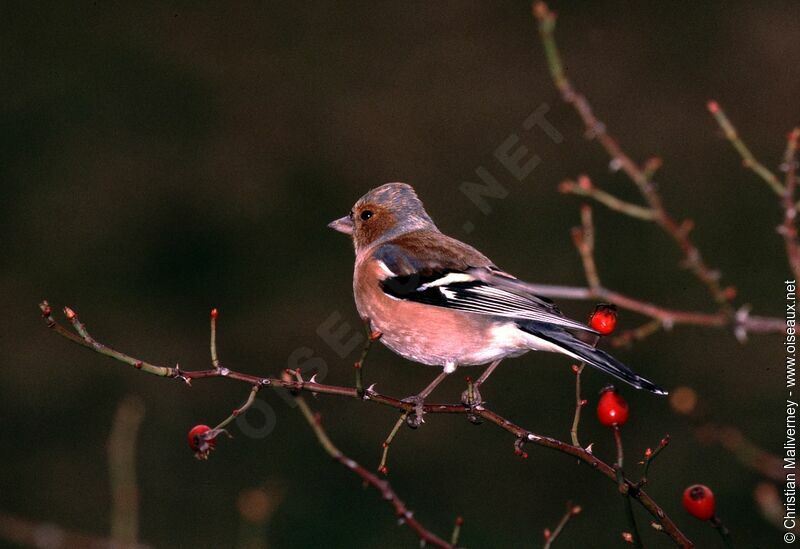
(343, 225)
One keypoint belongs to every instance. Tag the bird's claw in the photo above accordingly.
(415, 418)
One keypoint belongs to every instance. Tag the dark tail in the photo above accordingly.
(601, 360)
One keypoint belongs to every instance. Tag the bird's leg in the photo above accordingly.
(472, 396)
(414, 420)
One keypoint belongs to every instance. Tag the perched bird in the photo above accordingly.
(441, 302)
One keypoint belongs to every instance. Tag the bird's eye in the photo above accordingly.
(366, 214)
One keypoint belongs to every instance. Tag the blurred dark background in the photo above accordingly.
(158, 159)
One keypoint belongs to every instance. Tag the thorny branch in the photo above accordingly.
(298, 384)
(726, 316)
(642, 176)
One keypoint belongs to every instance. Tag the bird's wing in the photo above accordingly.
(455, 276)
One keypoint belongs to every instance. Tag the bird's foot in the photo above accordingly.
(415, 418)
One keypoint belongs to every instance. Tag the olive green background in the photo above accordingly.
(158, 159)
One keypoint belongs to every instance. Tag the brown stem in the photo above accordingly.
(583, 237)
(650, 457)
(626, 490)
(362, 359)
(404, 514)
(572, 511)
(748, 160)
(741, 323)
(724, 533)
(241, 409)
(382, 467)
(596, 129)
(456, 531)
(213, 343)
(122, 471)
(521, 434)
(607, 199)
(579, 403)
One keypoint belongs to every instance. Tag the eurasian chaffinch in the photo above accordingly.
(441, 302)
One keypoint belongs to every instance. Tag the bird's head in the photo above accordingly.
(384, 213)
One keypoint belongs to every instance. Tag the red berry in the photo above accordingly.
(604, 318)
(202, 440)
(612, 410)
(698, 500)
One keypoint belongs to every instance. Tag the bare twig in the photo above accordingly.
(122, 471)
(743, 449)
(405, 515)
(724, 533)
(579, 403)
(595, 129)
(742, 323)
(382, 467)
(786, 191)
(748, 160)
(550, 537)
(584, 187)
(241, 409)
(583, 238)
(456, 531)
(360, 363)
(625, 489)
(647, 329)
(521, 434)
(650, 456)
(213, 345)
